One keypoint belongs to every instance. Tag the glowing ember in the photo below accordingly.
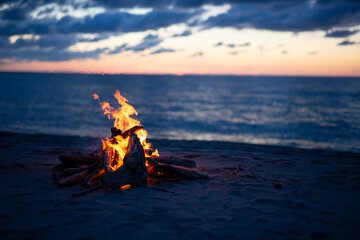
(123, 121)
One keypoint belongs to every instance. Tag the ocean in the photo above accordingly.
(304, 112)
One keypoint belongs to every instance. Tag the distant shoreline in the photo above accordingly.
(177, 75)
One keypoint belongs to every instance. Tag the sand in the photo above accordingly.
(255, 192)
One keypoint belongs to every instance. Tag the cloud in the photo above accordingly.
(163, 50)
(61, 23)
(93, 39)
(295, 16)
(312, 53)
(197, 54)
(237, 52)
(137, 3)
(232, 45)
(151, 37)
(47, 54)
(14, 14)
(45, 48)
(277, 15)
(340, 34)
(183, 34)
(107, 22)
(184, 3)
(118, 49)
(346, 43)
(148, 42)
(244, 44)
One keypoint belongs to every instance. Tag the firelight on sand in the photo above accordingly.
(123, 122)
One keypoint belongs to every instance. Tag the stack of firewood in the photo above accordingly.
(93, 172)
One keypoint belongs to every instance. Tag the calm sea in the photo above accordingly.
(292, 111)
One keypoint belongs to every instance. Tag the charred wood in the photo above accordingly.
(117, 132)
(131, 130)
(133, 171)
(151, 162)
(73, 179)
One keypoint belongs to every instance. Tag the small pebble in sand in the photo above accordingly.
(277, 186)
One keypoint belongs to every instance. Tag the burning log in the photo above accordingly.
(65, 176)
(175, 161)
(111, 158)
(73, 179)
(133, 171)
(116, 132)
(131, 130)
(94, 178)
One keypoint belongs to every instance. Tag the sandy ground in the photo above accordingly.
(319, 196)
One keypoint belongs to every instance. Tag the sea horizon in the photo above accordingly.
(184, 74)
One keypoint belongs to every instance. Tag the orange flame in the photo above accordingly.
(123, 121)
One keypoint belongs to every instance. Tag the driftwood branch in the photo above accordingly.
(133, 171)
(175, 161)
(170, 172)
(78, 158)
(62, 170)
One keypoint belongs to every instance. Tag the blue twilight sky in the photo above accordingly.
(296, 37)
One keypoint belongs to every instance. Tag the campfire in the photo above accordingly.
(124, 160)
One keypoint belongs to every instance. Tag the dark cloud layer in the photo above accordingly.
(232, 45)
(108, 22)
(163, 50)
(57, 34)
(183, 34)
(197, 54)
(47, 48)
(294, 16)
(340, 34)
(118, 49)
(148, 42)
(346, 43)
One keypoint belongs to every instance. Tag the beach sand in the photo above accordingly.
(255, 192)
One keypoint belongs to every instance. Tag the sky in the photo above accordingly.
(231, 37)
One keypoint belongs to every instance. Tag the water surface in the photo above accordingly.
(290, 111)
